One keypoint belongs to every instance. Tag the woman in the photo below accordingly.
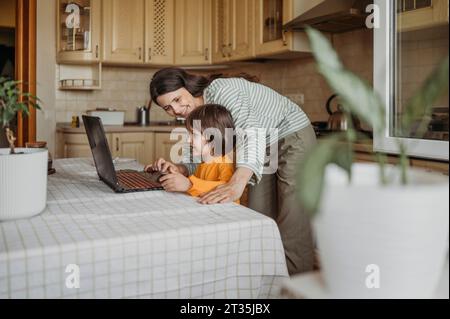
(254, 107)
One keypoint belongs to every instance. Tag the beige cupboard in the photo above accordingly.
(193, 32)
(138, 31)
(233, 30)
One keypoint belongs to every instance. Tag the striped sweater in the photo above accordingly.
(265, 115)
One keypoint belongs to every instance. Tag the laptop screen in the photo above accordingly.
(100, 149)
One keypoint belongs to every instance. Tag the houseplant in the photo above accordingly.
(382, 230)
(23, 171)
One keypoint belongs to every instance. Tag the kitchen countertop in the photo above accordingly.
(128, 127)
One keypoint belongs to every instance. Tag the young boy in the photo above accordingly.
(216, 167)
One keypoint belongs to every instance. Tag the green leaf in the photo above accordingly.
(311, 172)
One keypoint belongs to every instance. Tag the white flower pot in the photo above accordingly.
(382, 241)
(23, 182)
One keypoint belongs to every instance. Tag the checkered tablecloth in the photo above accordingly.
(136, 245)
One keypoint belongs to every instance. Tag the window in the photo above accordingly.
(410, 43)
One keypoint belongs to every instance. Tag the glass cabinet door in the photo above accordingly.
(78, 30)
(272, 20)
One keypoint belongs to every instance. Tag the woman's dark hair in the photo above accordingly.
(214, 116)
(171, 79)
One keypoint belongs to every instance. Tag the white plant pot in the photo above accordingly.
(382, 241)
(23, 182)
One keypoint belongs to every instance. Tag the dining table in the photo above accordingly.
(90, 242)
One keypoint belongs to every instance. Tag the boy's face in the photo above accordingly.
(200, 146)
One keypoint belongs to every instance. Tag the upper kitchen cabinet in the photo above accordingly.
(192, 29)
(123, 31)
(78, 31)
(421, 14)
(233, 30)
(270, 39)
(159, 31)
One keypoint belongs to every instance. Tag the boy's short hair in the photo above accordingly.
(214, 116)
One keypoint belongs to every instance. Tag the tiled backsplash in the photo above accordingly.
(299, 76)
(122, 88)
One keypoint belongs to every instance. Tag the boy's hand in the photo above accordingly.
(175, 182)
(161, 165)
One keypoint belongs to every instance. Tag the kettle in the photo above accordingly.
(338, 120)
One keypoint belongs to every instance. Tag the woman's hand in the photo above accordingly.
(175, 182)
(230, 191)
(163, 166)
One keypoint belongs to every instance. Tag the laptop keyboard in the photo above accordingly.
(135, 180)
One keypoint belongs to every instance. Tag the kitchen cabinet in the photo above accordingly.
(78, 31)
(133, 145)
(233, 30)
(123, 31)
(138, 31)
(159, 31)
(270, 39)
(74, 145)
(193, 32)
(416, 15)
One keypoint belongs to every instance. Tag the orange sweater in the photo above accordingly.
(208, 176)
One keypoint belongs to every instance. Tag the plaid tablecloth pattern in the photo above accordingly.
(137, 245)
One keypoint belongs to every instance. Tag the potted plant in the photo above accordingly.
(23, 171)
(382, 230)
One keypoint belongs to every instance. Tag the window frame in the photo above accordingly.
(384, 84)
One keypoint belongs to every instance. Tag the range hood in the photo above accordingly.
(333, 16)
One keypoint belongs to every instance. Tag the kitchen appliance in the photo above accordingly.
(143, 115)
(108, 116)
(339, 120)
(334, 16)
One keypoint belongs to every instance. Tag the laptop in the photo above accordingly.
(121, 181)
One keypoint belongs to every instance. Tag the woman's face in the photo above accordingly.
(178, 103)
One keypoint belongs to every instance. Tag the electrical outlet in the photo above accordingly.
(298, 99)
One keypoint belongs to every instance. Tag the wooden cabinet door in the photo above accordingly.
(123, 31)
(192, 29)
(76, 145)
(242, 31)
(84, 45)
(221, 21)
(164, 145)
(133, 145)
(159, 31)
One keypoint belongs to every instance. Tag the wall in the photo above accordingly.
(300, 76)
(7, 13)
(45, 72)
(123, 88)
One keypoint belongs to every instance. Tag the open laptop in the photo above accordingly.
(121, 181)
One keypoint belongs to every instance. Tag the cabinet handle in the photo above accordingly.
(96, 51)
(117, 144)
(206, 54)
(140, 53)
(230, 49)
(284, 38)
(149, 54)
(223, 51)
